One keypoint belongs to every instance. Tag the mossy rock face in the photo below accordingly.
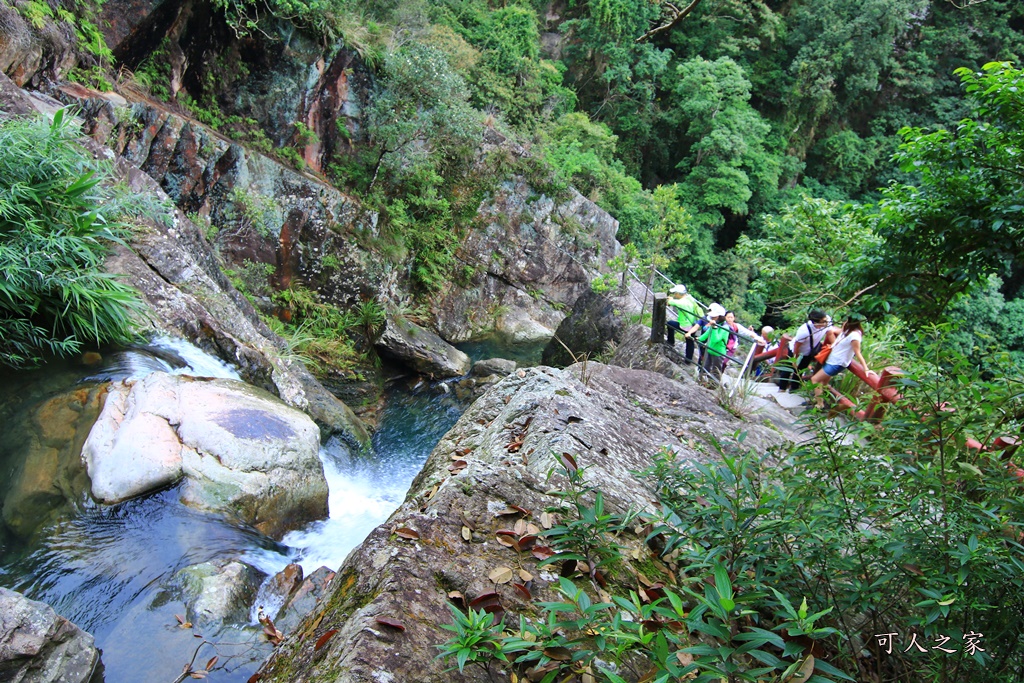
(382, 617)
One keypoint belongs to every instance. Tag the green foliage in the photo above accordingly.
(58, 216)
(986, 324)
(478, 639)
(325, 17)
(808, 256)
(36, 12)
(92, 77)
(420, 120)
(254, 211)
(900, 529)
(964, 218)
(725, 139)
(585, 535)
(319, 332)
(512, 40)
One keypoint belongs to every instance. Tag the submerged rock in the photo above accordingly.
(45, 443)
(39, 646)
(235, 447)
(390, 597)
(219, 592)
(421, 349)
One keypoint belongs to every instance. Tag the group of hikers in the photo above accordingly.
(717, 334)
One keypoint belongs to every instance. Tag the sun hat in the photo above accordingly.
(715, 311)
(677, 289)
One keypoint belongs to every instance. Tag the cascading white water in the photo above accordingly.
(162, 354)
(115, 570)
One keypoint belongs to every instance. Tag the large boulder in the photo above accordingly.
(236, 448)
(421, 349)
(596, 322)
(491, 473)
(39, 646)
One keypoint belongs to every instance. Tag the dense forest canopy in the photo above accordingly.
(770, 155)
(745, 122)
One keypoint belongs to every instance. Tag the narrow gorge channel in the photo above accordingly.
(121, 572)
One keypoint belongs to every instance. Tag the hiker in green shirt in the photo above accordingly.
(715, 339)
(687, 313)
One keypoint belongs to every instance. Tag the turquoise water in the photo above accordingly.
(111, 570)
(524, 354)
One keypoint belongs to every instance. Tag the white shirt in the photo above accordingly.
(805, 339)
(842, 350)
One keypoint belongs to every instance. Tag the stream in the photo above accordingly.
(112, 569)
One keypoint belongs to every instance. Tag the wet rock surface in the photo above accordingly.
(421, 349)
(219, 592)
(612, 420)
(303, 599)
(39, 646)
(46, 443)
(235, 448)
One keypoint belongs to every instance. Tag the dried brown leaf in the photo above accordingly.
(484, 599)
(559, 654)
(542, 552)
(804, 672)
(393, 623)
(500, 575)
(405, 532)
(322, 640)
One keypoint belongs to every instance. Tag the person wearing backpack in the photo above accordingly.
(846, 346)
(807, 342)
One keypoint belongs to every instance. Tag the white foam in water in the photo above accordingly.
(362, 495)
(198, 362)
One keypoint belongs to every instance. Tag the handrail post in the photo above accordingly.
(658, 318)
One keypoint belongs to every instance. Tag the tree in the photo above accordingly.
(725, 158)
(420, 119)
(963, 219)
(58, 215)
(808, 256)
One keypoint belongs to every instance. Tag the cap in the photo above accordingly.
(677, 289)
(715, 311)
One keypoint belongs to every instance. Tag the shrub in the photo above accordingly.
(58, 215)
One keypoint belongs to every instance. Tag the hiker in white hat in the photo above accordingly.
(688, 311)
